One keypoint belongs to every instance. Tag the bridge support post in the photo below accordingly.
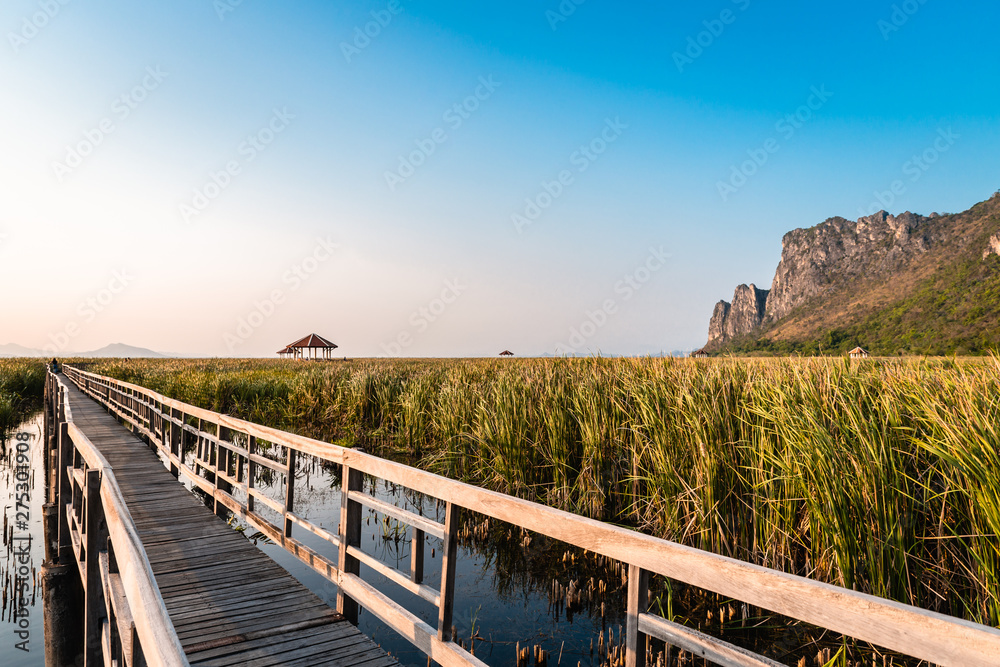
(350, 536)
(638, 601)
(417, 556)
(61, 604)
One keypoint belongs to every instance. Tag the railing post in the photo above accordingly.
(350, 536)
(290, 492)
(175, 443)
(221, 463)
(93, 589)
(449, 554)
(638, 594)
(251, 470)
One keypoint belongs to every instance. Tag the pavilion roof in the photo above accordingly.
(312, 340)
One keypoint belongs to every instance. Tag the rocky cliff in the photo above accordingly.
(882, 275)
(817, 260)
(742, 316)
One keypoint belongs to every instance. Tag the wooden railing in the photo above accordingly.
(228, 452)
(125, 621)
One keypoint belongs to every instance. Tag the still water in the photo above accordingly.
(511, 586)
(22, 482)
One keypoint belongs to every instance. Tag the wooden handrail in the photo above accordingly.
(926, 635)
(160, 644)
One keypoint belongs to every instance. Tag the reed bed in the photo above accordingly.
(22, 382)
(878, 475)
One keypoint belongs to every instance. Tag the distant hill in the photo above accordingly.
(122, 350)
(906, 284)
(113, 350)
(15, 350)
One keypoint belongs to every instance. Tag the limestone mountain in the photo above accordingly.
(892, 284)
(745, 314)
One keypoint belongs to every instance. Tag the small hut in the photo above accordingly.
(700, 354)
(506, 353)
(312, 347)
(859, 353)
(286, 353)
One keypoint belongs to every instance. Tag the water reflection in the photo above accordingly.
(22, 482)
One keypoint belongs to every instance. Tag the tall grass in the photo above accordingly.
(22, 382)
(882, 476)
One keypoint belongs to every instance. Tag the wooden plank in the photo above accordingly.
(332, 538)
(392, 574)
(705, 646)
(252, 616)
(329, 637)
(409, 518)
(263, 621)
(409, 626)
(250, 640)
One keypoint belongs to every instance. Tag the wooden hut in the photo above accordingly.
(286, 353)
(700, 354)
(859, 353)
(312, 347)
(506, 353)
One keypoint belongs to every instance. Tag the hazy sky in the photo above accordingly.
(456, 178)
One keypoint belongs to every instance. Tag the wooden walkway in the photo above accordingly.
(229, 602)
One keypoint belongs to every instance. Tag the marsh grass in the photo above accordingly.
(21, 385)
(882, 476)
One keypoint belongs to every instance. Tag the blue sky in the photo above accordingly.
(223, 177)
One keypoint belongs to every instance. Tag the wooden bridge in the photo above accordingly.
(167, 582)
